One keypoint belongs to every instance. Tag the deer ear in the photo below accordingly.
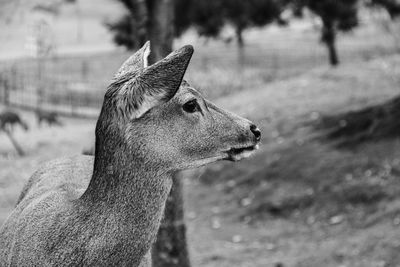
(159, 82)
(136, 62)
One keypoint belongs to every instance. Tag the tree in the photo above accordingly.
(391, 6)
(335, 15)
(386, 13)
(207, 17)
(131, 30)
(245, 14)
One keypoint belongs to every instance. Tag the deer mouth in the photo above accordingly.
(238, 153)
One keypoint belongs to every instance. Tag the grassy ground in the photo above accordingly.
(299, 202)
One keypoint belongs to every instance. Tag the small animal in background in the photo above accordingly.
(47, 116)
(88, 151)
(8, 119)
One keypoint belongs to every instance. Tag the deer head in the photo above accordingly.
(152, 115)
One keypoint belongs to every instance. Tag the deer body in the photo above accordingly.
(106, 210)
(49, 117)
(76, 230)
(9, 119)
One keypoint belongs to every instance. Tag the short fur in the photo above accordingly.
(9, 118)
(105, 210)
(47, 116)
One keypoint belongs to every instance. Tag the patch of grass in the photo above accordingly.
(372, 123)
(362, 194)
(311, 179)
(296, 175)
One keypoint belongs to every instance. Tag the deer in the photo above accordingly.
(105, 210)
(50, 117)
(8, 119)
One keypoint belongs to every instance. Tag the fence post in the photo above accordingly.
(84, 70)
(6, 92)
(275, 65)
(71, 103)
(40, 89)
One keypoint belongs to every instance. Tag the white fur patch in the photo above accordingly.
(245, 154)
(146, 54)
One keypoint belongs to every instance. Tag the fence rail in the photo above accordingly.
(28, 84)
(74, 86)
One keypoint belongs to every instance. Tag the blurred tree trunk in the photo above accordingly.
(240, 43)
(329, 39)
(140, 21)
(239, 37)
(170, 248)
(333, 57)
(160, 27)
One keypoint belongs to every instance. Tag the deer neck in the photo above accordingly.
(127, 188)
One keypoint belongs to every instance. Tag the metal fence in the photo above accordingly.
(60, 85)
(74, 86)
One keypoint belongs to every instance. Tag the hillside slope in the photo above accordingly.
(301, 201)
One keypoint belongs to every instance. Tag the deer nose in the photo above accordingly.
(257, 133)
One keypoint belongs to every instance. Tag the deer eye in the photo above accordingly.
(191, 106)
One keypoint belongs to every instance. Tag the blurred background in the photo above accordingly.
(319, 77)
